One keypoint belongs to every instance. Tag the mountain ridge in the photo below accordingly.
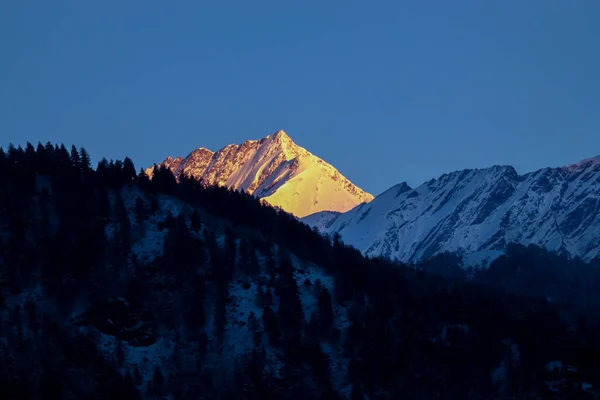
(477, 212)
(274, 169)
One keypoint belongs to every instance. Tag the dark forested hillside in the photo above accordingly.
(530, 271)
(115, 286)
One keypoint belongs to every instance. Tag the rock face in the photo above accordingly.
(276, 170)
(477, 212)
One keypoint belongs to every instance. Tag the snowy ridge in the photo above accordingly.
(477, 212)
(276, 170)
(321, 220)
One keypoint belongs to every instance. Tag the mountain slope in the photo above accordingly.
(276, 170)
(477, 212)
(114, 286)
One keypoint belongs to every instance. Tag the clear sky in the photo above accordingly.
(386, 91)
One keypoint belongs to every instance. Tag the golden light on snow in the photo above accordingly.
(277, 170)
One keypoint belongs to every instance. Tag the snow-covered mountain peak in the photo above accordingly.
(203, 150)
(476, 212)
(276, 170)
(396, 190)
(279, 136)
(281, 142)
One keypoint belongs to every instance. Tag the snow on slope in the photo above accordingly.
(148, 244)
(321, 220)
(477, 212)
(274, 169)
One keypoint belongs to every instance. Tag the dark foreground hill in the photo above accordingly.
(117, 287)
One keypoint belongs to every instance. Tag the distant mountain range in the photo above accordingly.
(476, 213)
(276, 170)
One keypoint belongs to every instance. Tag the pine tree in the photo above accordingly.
(63, 157)
(325, 310)
(318, 286)
(123, 227)
(271, 326)
(252, 379)
(268, 297)
(137, 377)
(129, 391)
(31, 158)
(195, 315)
(163, 181)
(86, 162)
(158, 383)
(319, 362)
(220, 316)
(141, 212)
(195, 222)
(313, 330)
(102, 172)
(185, 250)
(129, 175)
(42, 159)
(119, 351)
(230, 254)
(50, 151)
(12, 155)
(143, 180)
(75, 158)
(290, 313)
(16, 168)
(253, 328)
(252, 322)
(154, 205)
(260, 300)
(103, 206)
(116, 172)
(3, 167)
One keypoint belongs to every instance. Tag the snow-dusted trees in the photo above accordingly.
(408, 334)
(289, 312)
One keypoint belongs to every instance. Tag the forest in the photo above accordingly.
(85, 298)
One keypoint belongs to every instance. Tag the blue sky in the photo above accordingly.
(386, 91)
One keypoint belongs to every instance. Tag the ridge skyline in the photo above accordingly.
(274, 169)
(402, 118)
(399, 181)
